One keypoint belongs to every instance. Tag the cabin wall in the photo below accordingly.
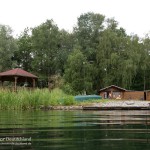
(134, 95)
(148, 96)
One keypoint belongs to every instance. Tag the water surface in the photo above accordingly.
(75, 130)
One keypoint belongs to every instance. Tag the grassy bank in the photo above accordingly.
(25, 99)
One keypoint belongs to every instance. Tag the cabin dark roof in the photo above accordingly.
(112, 86)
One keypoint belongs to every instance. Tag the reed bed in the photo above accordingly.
(33, 99)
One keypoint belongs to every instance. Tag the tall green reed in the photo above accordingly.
(33, 99)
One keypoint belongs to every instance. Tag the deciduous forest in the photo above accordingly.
(97, 53)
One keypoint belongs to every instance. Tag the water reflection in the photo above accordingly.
(75, 130)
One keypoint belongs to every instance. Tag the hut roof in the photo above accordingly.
(21, 74)
(112, 86)
(17, 72)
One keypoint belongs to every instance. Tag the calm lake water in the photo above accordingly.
(75, 130)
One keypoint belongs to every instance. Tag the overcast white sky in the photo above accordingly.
(132, 15)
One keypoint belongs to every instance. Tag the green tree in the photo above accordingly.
(45, 44)
(65, 47)
(117, 58)
(142, 79)
(7, 47)
(24, 54)
(87, 32)
(76, 72)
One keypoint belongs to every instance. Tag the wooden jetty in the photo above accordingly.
(115, 108)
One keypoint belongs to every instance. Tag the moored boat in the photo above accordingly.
(87, 97)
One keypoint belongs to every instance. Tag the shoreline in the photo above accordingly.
(110, 105)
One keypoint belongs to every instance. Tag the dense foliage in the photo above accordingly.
(97, 53)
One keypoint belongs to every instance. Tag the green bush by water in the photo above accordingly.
(25, 99)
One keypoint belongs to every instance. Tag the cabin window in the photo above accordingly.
(116, 94)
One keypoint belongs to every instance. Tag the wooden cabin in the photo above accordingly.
(112, 92)
(115, 92)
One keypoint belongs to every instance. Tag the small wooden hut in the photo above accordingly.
(18, 75)
(112, 92)
(115, 92)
